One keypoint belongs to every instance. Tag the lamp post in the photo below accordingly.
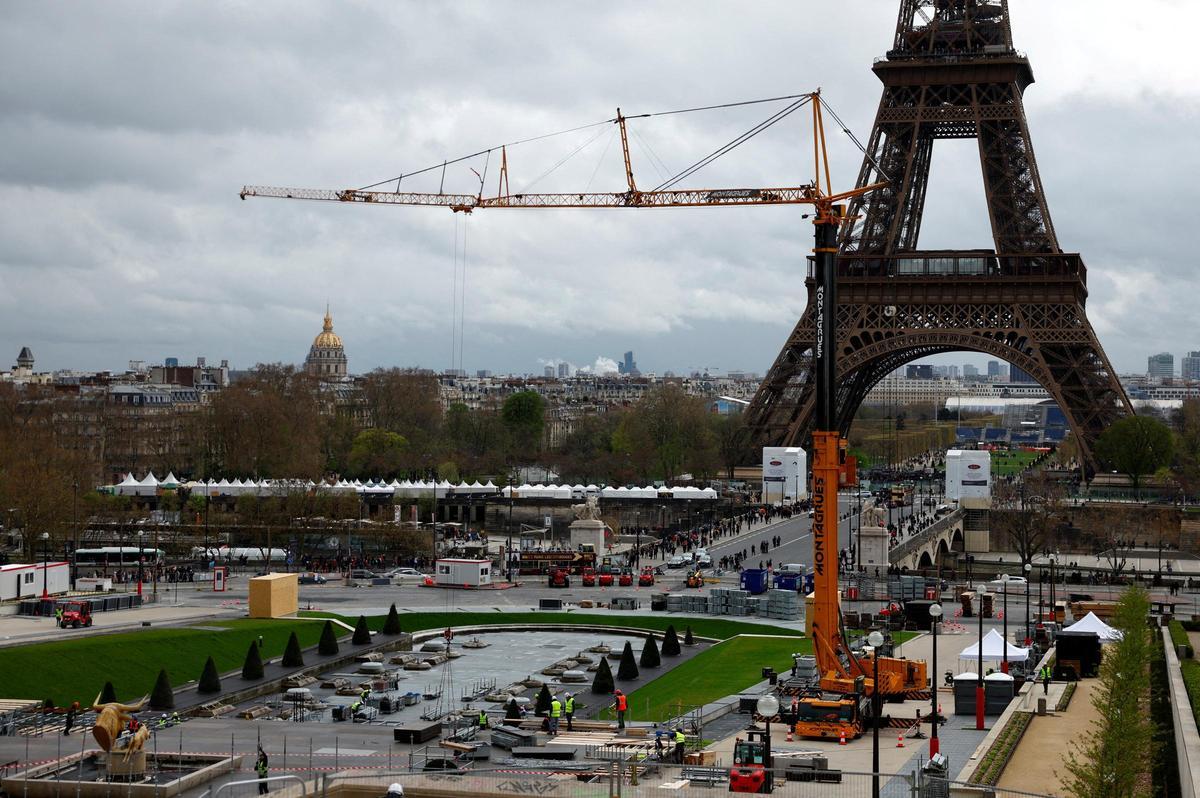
(508, 553)
(141, 538)
(75, 530)
(979, 681)
(1004, 587)
(935, 612)
(875, 639)
(767, 707)
(1053, 606)
(1028, 569)
(45, 565)
(637, 531)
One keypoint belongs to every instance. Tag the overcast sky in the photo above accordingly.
(127, 130)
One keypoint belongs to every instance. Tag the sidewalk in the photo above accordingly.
(1038, 762)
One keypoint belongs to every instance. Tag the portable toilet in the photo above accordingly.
(965, 685)
(754, 581)
(997, 693)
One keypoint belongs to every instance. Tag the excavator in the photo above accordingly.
(846, 680)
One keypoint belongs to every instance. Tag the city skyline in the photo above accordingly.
(123, 237)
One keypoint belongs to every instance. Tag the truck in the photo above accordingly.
(76, 614)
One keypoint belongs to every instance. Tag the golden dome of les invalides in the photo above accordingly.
(327, 357)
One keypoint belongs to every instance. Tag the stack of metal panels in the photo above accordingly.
(783, 605)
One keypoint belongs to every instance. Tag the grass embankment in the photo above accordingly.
(715, 628)
(727, 668)
(76, 668)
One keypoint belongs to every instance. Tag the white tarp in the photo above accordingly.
(1090, 623)
(993, 649)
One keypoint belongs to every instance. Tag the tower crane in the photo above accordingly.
(841, 671)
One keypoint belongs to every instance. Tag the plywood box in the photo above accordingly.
(274, 596)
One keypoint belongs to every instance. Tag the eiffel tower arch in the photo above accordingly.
(952, 73)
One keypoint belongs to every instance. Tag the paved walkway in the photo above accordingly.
(1038, 763)
(25, 629)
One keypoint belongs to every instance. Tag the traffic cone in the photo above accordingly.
(899, 740)
(842, 739)
(789, 738)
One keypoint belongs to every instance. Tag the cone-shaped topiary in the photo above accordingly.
(108, 694)
(628, 668)
(162, 697)
(252, 668)
(210, 680)
(328, 644)
(392, 625)
(362, 635)
(542, 707)
(512, 711)
(688, 640)
(670, 646)
(650, 657)
(292, 656)
(603, 683)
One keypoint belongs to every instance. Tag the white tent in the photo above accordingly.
(1090, 623)
(993, 649)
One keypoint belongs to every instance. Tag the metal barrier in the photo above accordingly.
(291, 777)
(609, 780)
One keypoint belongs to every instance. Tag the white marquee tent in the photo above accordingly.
(1090, 623)
(993, 649)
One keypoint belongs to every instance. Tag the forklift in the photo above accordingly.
(751, 771)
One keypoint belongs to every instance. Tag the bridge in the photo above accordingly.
(931, 545)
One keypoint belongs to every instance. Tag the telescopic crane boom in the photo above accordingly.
(840, 670)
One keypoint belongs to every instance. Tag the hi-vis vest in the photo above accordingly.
(570, 706)
(621, 703)
(555, 708)
(679, 738)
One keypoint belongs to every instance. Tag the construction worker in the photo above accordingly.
(483, 721)
(174, 718)
(1046, 674)
(58, 615)
(261, 768)
(162, 721)
(555, 713)
(396, 790)
(680, 740)
(354, 709)
(70, 718)
(621, 703)
(365, 694)
(569, 710)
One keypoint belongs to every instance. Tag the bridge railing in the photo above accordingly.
(911, 544)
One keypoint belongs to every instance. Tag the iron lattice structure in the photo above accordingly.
(952, 73)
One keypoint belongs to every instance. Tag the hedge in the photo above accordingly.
(1191, 679)
(996, 758)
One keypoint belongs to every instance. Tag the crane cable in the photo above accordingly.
(575, 129)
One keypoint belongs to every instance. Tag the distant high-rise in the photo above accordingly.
(970, 371)
(1191, 366)
(549, 372)
(628, 365)
(1161, 365)
(919, 371)
(483, 374)
(1020, 375)
(952, 372)
(993, 368)
(564, 370)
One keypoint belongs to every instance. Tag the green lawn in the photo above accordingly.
(1005, 464)
(727, 668)
(75, 668)
(716, 628)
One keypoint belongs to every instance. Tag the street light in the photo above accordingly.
(141, 538)
(1053, 605)
(45, 565)
(979, 682)
(767, 707)
(875, 640)
(935, 612)
(1004, 587)
(1028, 568)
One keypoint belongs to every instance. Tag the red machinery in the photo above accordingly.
(76, 614)
(646, 578)
(588, 578)
(559, 578)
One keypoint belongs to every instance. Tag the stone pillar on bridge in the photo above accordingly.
(874, 552)
(977, 525)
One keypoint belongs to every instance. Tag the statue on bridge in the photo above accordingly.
(873, 515)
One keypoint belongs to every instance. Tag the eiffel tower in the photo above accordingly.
(952, 73)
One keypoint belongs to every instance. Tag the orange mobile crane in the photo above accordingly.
(840, 670)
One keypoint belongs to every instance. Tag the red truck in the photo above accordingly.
(589, 577)
(76, 614)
